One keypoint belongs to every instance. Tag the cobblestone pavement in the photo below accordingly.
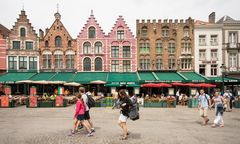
(179, 125)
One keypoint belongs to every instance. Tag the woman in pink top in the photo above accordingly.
(79, 116)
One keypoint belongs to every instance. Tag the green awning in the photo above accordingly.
(87, 77)
(169, 77)
(14, 77)
(120, 79)
(226, 79)
(145, 77)
(193, 77)
(63, 76)
(43, 76)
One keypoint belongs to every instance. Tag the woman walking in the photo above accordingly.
(125, 104)
(218, 102)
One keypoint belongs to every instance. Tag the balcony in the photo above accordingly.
(233, 45)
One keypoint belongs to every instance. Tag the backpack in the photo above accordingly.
(134, 109)
(91, 101)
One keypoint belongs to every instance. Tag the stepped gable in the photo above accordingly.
(4, 31)
(91, 22)
(23, 21)
(120, 23)
(57, 23)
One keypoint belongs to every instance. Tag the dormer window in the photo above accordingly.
(91, 32)
(120, 35)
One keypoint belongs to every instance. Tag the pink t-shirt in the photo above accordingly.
(80, 108)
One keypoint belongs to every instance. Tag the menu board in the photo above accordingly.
(193, 91)
(59, 101)
(32, 101)
(170, 91)
(33, 91)
(7, 90)
(4, 101)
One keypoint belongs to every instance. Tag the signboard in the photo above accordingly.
(32, 101)
(33, 91)
(113, 90)
(171, 91)
(136, 90)
(4, 101)
(193, 91)
(7, 90)
(59, 101)
(60, 90)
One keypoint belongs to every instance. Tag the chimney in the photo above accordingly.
(211, 18)
(46, 30)
(41, 33)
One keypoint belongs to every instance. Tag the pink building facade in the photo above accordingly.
(121, 48)
(115, 52)
(91, 47)
(4, 32)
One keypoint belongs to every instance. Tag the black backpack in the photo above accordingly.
(134, 109)
(91, 101)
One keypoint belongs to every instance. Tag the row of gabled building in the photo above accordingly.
(183, 45)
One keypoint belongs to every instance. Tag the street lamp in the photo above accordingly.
(223, 68)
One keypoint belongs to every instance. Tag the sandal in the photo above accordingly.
(221, 125)
(123, 138)
(213, 126)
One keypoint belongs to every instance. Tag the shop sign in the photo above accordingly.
(59, 101)
(32, 101)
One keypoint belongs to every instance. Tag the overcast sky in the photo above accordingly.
(76, 12)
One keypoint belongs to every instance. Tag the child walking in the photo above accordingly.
(218, 102)
(79, 116)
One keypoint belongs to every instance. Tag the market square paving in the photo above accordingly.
(157, 125)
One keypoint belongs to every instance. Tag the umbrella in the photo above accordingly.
(164, 85)
(40, 82)
(178, 84)
(192, 85)
(72, 84)
(150, 85)
(206, 85)
(98, 82)
(56, 82)
(25, 81)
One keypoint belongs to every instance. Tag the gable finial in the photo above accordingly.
(57, 7)
(23, 7)
(91, 12)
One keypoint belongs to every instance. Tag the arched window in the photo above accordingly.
(186, 31)
(98, 48)
(58, 41)
(69, 43)
(144, 31)
(46, 44)
(22, 32)
(98, 64)
(91, 32)
(87, 48)
(87, 64)
(58, 58)
(165, 31)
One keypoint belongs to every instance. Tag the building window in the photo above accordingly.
(47, 61)
(32, 63)
(186, 64)
(202, 40)
(58, 41)
(159, 64)
(16, 45)
(46, 43)
(12, 62)
(87, 48)
(214, 41)
(98, 48)
(159, 48)
(22, 32)
(144, 48)
(98, 64)
(144, 64)
(29, 45)
(91, 32)
(115, 66)
(232, 39)
(22, 62)
(202, 69)
(144, 31)
(186, 48)
(120, 34)
(87, 64)
(186, 32)
(213, 70)
(232, 60)
(126, 52)
(69, 43)
(115, 52)
(214, 55)
(171, 48)
(165, 32)
(171, 63)
(202, 54)
(58, 61)
(126, 66)
(70, 61)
